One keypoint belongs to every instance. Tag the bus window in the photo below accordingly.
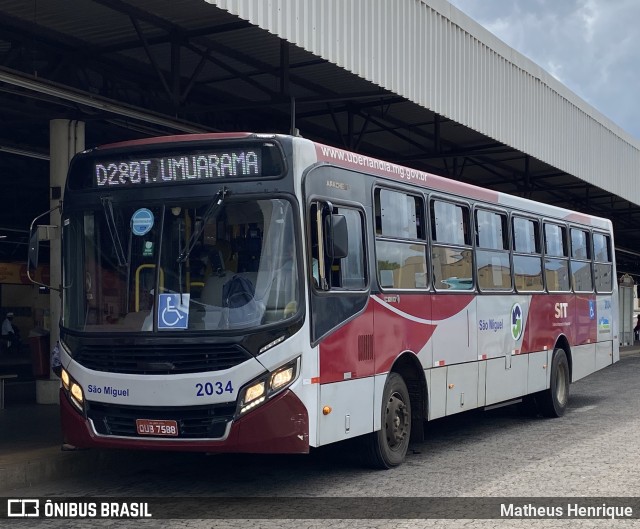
(527, 259)
(556, 264)
(401, 265)
(603, 268)
(492, 251)
(450, 223)
(345, 273)
(452, 264)
(581, 277)
(352, 268)
(400, 245)
(526, 236)
(400, 215)
(180, 249)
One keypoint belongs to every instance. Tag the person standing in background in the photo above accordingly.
(9, 332)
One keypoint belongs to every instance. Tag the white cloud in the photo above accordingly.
(591, 46)
(589, 14)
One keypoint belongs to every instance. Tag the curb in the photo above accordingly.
(52, 463)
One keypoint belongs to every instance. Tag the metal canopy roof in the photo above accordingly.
(192, 66)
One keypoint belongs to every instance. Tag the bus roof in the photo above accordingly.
(363, 163)
(366, 164)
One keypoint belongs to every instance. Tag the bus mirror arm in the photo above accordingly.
(37, 233)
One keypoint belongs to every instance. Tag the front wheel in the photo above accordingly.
(553, 402)
(387, 447)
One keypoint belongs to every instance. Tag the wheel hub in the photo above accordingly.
(397, 420)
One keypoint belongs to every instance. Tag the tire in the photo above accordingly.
(553, 402)
(387, 447)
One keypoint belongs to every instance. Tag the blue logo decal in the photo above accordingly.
(592, 310)
(142, 221)
(172, 313)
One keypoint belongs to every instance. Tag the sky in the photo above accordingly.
(590, 46)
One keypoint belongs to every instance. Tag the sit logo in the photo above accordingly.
(561, 310)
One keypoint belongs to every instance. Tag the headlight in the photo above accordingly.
(64, 376)
(281, 378)
(73, 390)
(254, 392)
(76, 392)
(262, 389)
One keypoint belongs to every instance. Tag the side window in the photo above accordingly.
(526, 235)
(491, 230)
(398, 215)
(602, 267)
(527, 258)
(556, 262)
(581, 277)
(344, 273)
(400, 240)
(352, 267)
(492, 251)
(580, 244)
(452, 255)
(450, 223)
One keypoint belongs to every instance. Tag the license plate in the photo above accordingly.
(157, 427)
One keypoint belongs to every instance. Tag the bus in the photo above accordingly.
(263, 293)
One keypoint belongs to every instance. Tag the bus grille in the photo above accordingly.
(160, 359)
(194, 422)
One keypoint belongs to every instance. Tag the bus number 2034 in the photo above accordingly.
(217, 388)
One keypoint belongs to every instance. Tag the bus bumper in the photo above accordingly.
(281, 426)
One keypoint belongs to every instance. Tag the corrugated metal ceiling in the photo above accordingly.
(222, 72)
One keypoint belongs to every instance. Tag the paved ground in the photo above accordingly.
(593, 451)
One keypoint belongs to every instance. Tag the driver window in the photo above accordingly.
(346, 273)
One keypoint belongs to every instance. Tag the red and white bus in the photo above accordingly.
(264, 293)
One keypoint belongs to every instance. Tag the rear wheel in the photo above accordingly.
(553, 402)
(387, 447)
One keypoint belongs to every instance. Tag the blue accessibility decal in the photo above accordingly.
(173, 311)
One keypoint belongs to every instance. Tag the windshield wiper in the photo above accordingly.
(213, 210)
(107, 206)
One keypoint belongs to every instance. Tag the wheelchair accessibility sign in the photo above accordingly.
(173, 311)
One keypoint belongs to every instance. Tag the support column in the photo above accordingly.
(66, 138)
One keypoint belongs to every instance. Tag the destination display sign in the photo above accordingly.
(193, 167)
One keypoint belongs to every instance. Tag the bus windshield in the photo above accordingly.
(206, 265)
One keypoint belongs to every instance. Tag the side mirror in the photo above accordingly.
(32, 257)
(336, 237)
(37, 233)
